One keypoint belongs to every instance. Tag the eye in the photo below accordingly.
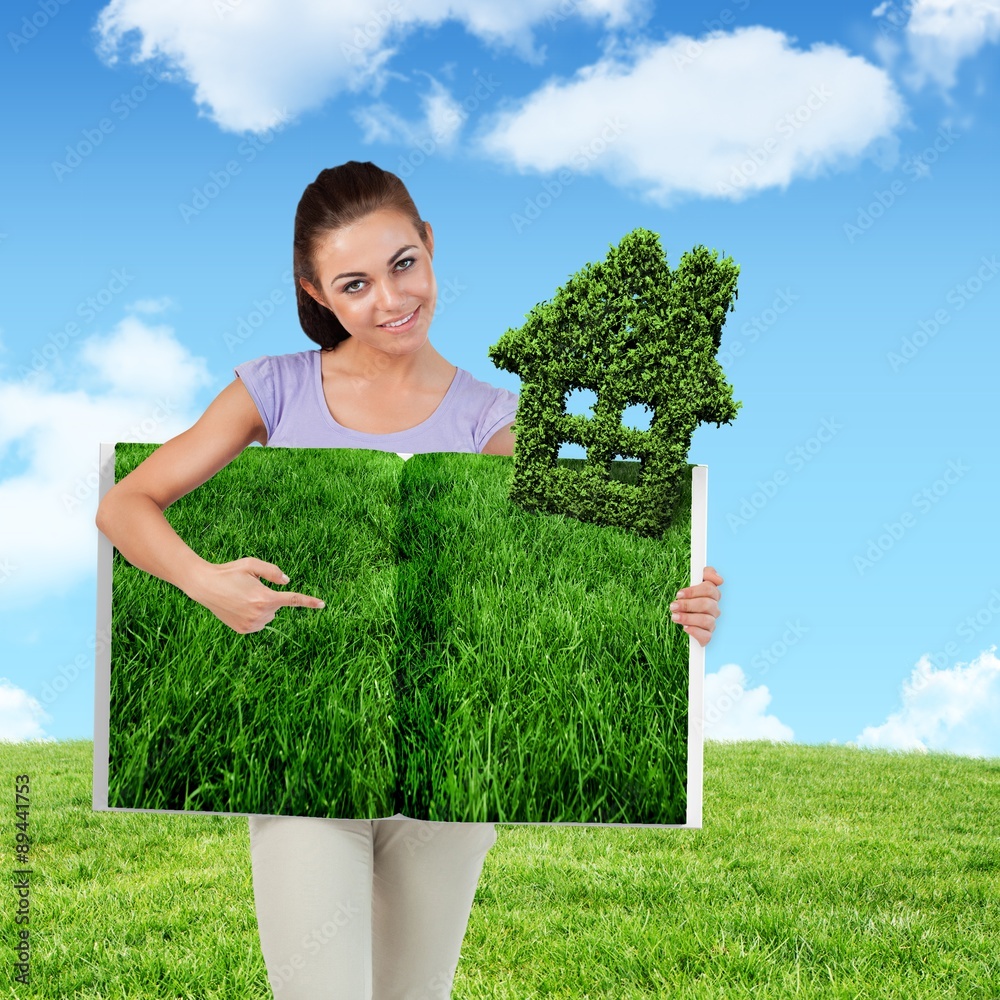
(350, 290)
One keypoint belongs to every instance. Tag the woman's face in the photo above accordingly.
(376, 272)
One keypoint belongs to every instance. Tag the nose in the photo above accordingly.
(388, 298)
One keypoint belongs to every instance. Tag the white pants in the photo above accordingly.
(364, 909)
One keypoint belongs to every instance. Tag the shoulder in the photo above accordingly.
(277, 381)
(473, 388)
(277, 363)
(273, 375)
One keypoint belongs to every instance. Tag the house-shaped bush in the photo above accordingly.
(634, 332)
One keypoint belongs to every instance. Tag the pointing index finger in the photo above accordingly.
(296, 600)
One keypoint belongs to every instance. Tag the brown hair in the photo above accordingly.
(339, 197)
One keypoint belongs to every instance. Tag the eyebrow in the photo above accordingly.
(361, 274)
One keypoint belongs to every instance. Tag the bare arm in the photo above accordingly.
(502, 442)
(131, 516)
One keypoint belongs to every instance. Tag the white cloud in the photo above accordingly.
(941, 33)
(21, 715)
(953, 708)
(725, 115)
(734, 713)
(150, 305)
(247, 59)
(444, 114)
(136, 384)
(379, 123)
(443, 118)
(140, 360)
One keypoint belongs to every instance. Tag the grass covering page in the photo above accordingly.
(475, 662)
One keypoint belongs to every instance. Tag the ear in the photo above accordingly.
(312, 291)
(430, 239)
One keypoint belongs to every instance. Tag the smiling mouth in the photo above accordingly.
(401, 322)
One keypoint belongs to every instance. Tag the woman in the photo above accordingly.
(346, 908)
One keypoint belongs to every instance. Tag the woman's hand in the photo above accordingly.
(697, 607)
(234, 594)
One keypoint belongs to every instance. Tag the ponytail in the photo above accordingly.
(318, 322)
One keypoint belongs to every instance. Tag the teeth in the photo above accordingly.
(400, 322)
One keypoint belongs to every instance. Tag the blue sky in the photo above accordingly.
(843, 155)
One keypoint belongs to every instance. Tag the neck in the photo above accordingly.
(357, 360)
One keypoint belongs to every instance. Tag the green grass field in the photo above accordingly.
(475, 662)
(821, 872)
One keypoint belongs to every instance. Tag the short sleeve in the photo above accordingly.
(258, 377)
(498, 412)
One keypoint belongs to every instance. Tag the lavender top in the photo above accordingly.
(288, 392)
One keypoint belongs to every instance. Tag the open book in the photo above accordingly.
(474, 662)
